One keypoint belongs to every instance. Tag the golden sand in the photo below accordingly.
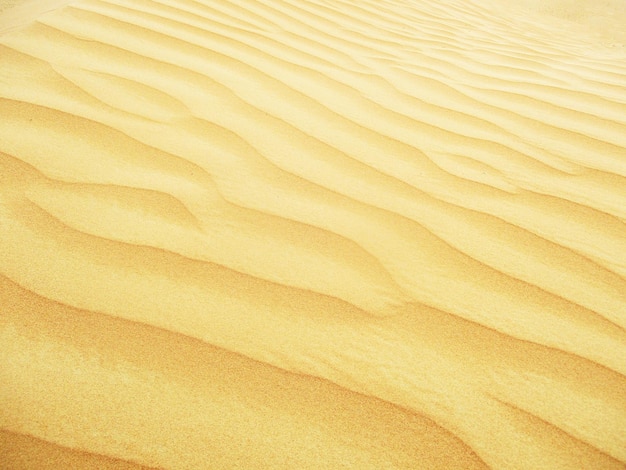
(324, 234)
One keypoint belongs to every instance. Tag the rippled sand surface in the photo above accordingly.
(324, 234)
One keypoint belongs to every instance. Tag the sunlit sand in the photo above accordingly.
(321, 234)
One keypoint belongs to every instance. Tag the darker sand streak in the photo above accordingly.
(23, 451)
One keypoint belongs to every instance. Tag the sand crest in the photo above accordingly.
(312, 234)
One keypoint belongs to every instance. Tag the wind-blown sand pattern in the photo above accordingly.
(312, 234)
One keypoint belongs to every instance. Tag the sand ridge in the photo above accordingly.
(326, 234)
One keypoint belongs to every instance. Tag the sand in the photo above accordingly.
(322, 234)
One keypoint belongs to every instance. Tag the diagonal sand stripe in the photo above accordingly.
(312, 234)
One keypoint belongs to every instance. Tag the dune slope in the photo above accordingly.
(312, 234)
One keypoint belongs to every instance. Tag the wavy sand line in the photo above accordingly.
(304, 208)
(227, 388)
(359, 236)
(387, 190)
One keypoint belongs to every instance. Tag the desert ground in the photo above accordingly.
(312, 234)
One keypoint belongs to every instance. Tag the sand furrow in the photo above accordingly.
(210, 13)
(295, 233)
(24, 452)
(250, 394)
(316, 36)
(186, 401)
(223, 227)
(263, 41)
(519, 121)
(576, 452)
(129, 99)
(99, 142)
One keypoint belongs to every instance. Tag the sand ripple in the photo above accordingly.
(311, 234)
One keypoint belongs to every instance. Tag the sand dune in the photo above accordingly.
(312, 234)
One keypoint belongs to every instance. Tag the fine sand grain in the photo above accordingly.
(324, 234)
